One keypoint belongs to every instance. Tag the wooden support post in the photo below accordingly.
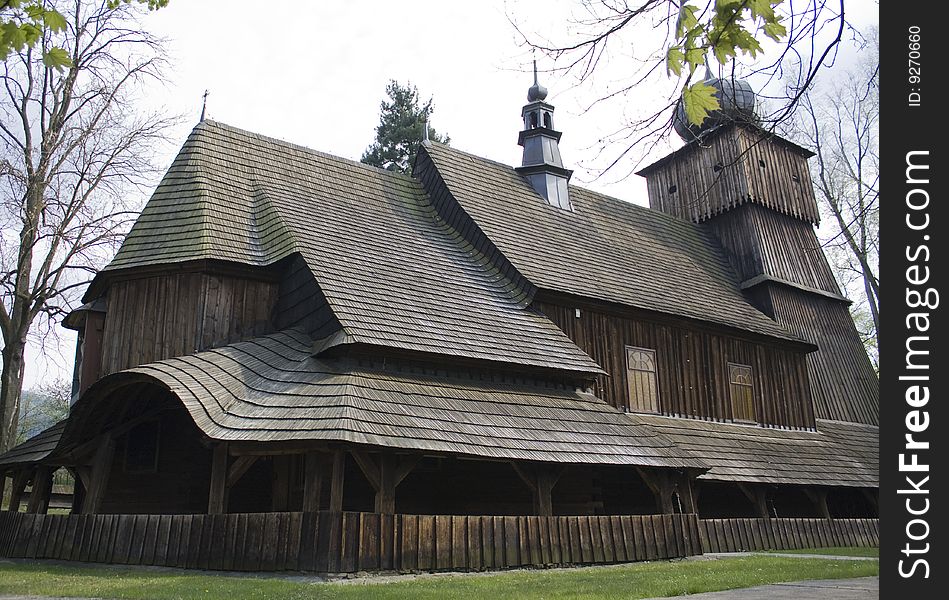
(101, 468)
(42, 488)
(3, 486)
(683, 488)
(282, 478)
(385, 476)
(541, 480)
(758, 496)
(336, 481)
(20, 479)
(217, 494)
(662, 487)
(819, 497)
(78, 491)
(312, 481)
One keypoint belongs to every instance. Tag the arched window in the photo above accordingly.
(533, 120)
(741, 390)
(641, 380)
(547, 123)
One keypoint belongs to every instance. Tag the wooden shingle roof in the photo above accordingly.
(605, 248)
(393, 273)
(272, 389)
(34, 450)
(838, 453)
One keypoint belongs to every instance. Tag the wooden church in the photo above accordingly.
(474, 356)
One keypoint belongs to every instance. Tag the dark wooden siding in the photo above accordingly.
(744, 535)
(301, 302)
(701, 191)
(843, 383)
(347, 542)
(760, 241)
(174, 314)
(691, 364)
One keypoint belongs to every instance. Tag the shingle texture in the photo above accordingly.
(844, 454)
(393, 273)
(605, 248)
(272, 389)
(35, 449)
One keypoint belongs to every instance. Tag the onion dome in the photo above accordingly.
(737, 101)
(537, 91)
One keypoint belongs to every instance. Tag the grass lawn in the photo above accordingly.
(642, 580)
(840, 551)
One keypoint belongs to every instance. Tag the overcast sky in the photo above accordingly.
(314, 73)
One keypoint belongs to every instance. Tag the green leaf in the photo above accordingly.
(54, 21)
(56, 58)
(775, 31)
(699, 100)
(674, 60)
(695, 57)
(762, 9)
(13, 35)
(687, 20)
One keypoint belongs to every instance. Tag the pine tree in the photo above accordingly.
(400, 129)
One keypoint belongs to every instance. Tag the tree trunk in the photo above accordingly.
(11, 383)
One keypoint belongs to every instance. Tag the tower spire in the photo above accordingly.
(541, 164)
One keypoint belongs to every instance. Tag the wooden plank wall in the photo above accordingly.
(347, 542)
(844, 385)
(154, 318)
(761, 241)
(691, 365)
(740, 535)
(702, 191)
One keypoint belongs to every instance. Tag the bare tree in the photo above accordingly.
(73, 149)
(669, 43)
(841, 125)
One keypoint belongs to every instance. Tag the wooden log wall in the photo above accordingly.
(363, 542)
(744, 535)
(843, 383)
(174, 314)
(760, 241)
(691, 364)
(733, 167)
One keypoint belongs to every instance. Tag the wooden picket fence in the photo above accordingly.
(348, 542)
(735, 535)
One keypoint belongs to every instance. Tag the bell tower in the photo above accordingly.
(752, 189)
(541, 164)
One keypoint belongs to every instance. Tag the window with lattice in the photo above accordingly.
(741, 389)
(642, 380)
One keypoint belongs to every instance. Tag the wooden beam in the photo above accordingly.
(42, 487)
(312, 480)
(3, 486)
(280, 483)
(217, 494)
(78, 492)
(337, 480)
(101, 469)
(541, 479)
(369, 468)
(385, 495)
(758, 496)
(20, 479)
(406, 464)
(683, 488)
(239, 467)
(661, 486)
